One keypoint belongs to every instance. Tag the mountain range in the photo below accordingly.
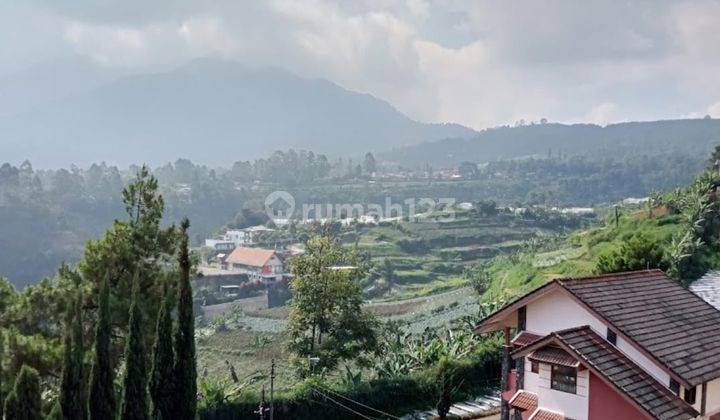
(690, 137)
(213, 111)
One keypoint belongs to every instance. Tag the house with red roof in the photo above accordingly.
(258, 263)
(631, 345)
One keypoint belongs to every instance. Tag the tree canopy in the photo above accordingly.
(326, 321)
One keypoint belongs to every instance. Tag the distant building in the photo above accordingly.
(238, 237)
(258, 263)
(220, 245)
(253, 232)
(635, 201)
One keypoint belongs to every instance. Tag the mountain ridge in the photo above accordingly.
(695, 137)
(215, 112)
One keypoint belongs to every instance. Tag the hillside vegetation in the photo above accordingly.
(678, 232)
(692, 137)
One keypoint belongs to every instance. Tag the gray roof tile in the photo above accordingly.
(671, 323)
(627, 376)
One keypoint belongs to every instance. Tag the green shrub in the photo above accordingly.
(639, 252)
(397, 395)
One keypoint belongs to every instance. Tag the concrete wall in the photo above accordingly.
(214, 282)
(605, 403)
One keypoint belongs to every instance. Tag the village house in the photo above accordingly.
(220, 245)
(237, 237)
(258, 263)
(619, 346)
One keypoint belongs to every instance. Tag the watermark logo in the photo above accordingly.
(279, 205)
(280, 208)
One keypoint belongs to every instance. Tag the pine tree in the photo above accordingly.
(55, 413)
(101, 399)
(162, 381)
(2, 375)
(23, 402)
(72, 387)
(185, 362)
(134, 404)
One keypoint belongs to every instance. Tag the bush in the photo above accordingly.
(413, 246)
(397, 395)
(637, 253)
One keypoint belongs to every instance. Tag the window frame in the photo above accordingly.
(534, 366)
(674, 386)
(569, 387)
(690, 395)
(611, 337)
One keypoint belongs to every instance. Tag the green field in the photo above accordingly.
(428, 288)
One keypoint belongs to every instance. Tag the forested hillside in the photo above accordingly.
(46, 216)
(694, 138)
(676, 232)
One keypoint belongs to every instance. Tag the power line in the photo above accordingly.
(359, 403)
(357, 413)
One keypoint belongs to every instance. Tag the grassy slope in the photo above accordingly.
(519, 273)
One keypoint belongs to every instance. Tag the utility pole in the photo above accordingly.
(262, 409)
(617, 216)
(272, 389)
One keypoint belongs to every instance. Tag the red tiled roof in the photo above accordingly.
(524, 400)
(541, 414)
(554, 356)
(253, 257)
(525, 338)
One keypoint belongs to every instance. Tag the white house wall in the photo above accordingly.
(556, 311)
(574, 406)
(275, 264)
(698, 397)
(712, 404)
(644, 362)
(530, 379)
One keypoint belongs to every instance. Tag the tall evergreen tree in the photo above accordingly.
(2, 375)
(185, 361)
(55, 412)
(23, 402)
(72, 387)
(134, 404)
(162, 381)
(370, 164)
(101, 398)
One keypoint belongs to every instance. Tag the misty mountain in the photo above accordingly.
(50, 81)
(212, 111)
(695, 138)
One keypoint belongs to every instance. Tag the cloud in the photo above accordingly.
(604, 114)
(153, 46)
(714, 110)
(477, 63)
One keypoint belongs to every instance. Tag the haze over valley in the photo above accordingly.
(324, 209)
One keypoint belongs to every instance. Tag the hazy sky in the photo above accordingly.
(480, 63)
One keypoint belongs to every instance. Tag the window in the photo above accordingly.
(674, 386)
(564, 379)
(612, 337)
(690, 395)
(534, 367)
